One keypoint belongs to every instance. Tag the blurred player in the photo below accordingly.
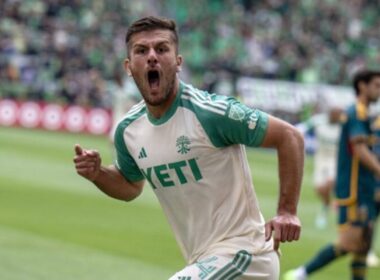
(355, 184)
(188, 145)
(326, 128)
(123, 95)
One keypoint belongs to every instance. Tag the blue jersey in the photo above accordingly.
(355, 182)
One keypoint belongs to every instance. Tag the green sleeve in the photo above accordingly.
(124, 161)
(238, 124)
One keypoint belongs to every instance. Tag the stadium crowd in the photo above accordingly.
(72, 51)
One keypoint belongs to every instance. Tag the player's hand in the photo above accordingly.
(286, 227)
(87, 162)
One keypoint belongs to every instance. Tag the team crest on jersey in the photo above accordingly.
(183, 144)
(236, 113)
(252, 121)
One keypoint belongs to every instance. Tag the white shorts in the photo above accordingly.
(324, 169)
(242, 266)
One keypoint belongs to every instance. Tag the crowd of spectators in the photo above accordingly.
(71, 51)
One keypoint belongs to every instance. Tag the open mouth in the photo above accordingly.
(153, 78)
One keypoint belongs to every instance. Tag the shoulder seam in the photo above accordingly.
(217, 106)
(201, 105)
(135, 109)
(198, 94)
(133, 114)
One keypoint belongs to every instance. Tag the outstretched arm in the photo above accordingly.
(290, 151)
(108, 179)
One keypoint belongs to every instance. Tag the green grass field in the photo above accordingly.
(56, 225)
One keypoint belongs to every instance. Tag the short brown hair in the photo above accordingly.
(365, 76)
(152, 23)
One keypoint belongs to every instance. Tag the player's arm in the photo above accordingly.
(108, 179)
(255, 128)
(366, 157)
(290, 151)
(111, 182)
(288, 142)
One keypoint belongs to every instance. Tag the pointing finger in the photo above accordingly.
(276, 245)
(78, 150)
(268, 231)
(277, 237)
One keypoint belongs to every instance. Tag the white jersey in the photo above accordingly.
(325, 158)
(326, 134)
(195, 162)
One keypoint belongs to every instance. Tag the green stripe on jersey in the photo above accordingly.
(235, 268)
(211, 102)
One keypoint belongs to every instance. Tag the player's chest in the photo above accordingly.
(171, 154)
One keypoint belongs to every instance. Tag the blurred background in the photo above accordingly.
(71, 52)
(62, 82)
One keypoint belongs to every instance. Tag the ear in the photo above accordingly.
(126, 67)
(179, 63)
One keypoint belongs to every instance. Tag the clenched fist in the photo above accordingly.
(286, 227)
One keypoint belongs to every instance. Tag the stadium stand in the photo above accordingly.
(70, 51)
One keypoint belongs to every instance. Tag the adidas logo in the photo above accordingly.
(142, 153)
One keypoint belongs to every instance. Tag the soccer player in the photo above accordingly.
(355, 184)
(327, 128)
(188, 144)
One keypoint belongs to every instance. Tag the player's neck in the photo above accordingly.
(160, 110)
(363, 99)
